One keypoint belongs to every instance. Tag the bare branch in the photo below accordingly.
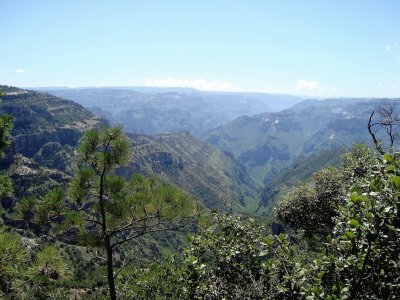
(146, 230)
(388, 120)
(376, 142)
(124, 266)
(131, 225)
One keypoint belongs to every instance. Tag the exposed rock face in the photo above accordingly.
(30, 144)
(164, 161)
(30, 178)
(24, 170)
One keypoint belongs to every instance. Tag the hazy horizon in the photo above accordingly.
(178, 89)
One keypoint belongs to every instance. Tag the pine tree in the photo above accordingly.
(110, 210)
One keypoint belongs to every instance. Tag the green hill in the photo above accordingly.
(207, 172)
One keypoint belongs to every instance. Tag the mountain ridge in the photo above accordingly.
(268, 142)
(172, 111)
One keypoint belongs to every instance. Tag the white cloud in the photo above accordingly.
(394, 85)
(199, 84)
(101, 84)
(388, 47)
(391, 46)
(20, 71)
(311, 85)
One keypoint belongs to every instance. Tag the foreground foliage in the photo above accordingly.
(364, 251)
(236, 259)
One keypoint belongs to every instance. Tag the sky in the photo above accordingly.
(321, 48)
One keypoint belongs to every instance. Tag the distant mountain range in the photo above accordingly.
(156, 110)
(268, 142)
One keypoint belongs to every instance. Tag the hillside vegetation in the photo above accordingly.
(207, 172)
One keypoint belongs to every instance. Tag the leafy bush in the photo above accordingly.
(363, 260)
(236, 259)
(312, 207)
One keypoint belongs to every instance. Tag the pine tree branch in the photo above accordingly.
(143, 232)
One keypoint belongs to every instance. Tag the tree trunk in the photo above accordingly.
(110, 269)
(106, 239)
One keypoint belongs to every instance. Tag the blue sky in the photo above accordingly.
(322, 48)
